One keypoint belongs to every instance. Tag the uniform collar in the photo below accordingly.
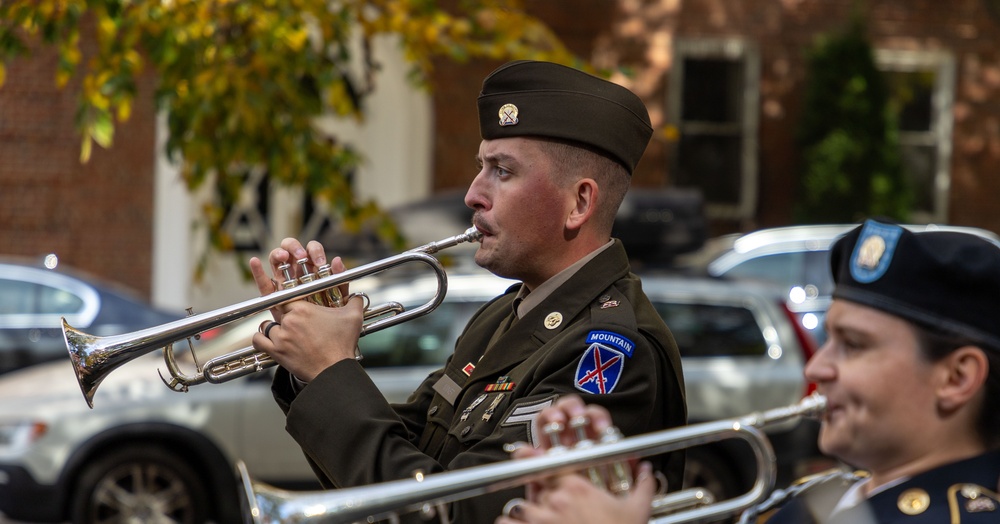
(526, 300)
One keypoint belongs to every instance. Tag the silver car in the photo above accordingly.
(148, 452)
(796, 258)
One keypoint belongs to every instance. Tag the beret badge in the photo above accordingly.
(873, 251)
(508, 115)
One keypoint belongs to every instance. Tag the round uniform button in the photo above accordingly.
(433, 410)
(466, 430)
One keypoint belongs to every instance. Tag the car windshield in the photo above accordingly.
(809, 270)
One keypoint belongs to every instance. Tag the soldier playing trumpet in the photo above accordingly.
(557, 153)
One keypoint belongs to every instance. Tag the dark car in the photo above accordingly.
(34, 298)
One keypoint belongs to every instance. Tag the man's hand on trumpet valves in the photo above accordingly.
(309, 338)
(574, 497)
(290, 252)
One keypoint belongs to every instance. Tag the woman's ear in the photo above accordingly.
(965, 371)
(585, 203)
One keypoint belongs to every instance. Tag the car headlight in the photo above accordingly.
(17, 435)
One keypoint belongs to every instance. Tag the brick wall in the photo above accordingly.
(98, 216)
(95, 216)
(639, 34)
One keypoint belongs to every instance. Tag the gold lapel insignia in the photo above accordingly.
(508, 115)
(553, 320)
(976, 502)
(913, 501)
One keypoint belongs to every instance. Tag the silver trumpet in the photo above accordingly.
(95, 357)
(389, 500)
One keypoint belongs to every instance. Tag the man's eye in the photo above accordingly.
(852, 344)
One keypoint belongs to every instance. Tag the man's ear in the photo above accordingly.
(964, 371)
(585, 195)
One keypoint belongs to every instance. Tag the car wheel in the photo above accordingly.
(139, 484)
(705, 468)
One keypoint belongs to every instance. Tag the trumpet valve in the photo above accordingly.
(332, 297)
(620, 474)
(286, 271)
(552, 430)
(579, 426)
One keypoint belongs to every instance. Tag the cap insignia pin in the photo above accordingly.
(508, 115)
(871, 252)
(913, 501)
(874, 251)
(553, 320)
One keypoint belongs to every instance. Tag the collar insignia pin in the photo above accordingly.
(553, 320)
(913, 501)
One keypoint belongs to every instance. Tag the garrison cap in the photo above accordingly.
(944, 280)
(543, 99)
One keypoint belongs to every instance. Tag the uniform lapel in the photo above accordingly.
(528, 334)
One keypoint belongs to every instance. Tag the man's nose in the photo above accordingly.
(475, 197)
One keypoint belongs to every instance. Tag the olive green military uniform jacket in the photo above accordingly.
(597, 336)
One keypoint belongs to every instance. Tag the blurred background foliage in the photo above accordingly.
(848, 135)
(242, 82)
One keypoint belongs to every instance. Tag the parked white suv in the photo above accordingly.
(148, 452)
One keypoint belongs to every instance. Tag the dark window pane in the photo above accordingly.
(713, 331)
(712, 90)
(912, 95)
(712, 164)
(920, 165)
(16, 297)
(53, 300)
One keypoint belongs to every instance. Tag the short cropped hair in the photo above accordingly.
(576, 161)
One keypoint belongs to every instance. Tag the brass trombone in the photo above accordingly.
(266, 504)
(95, 357)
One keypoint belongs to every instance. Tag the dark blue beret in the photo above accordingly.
(940, 279)
(529, 98)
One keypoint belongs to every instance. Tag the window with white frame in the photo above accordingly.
(922, 89)
(713, 104)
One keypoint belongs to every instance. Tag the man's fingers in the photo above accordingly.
(645, 487)
(317, 255)
(260, 277)
(262, 343)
